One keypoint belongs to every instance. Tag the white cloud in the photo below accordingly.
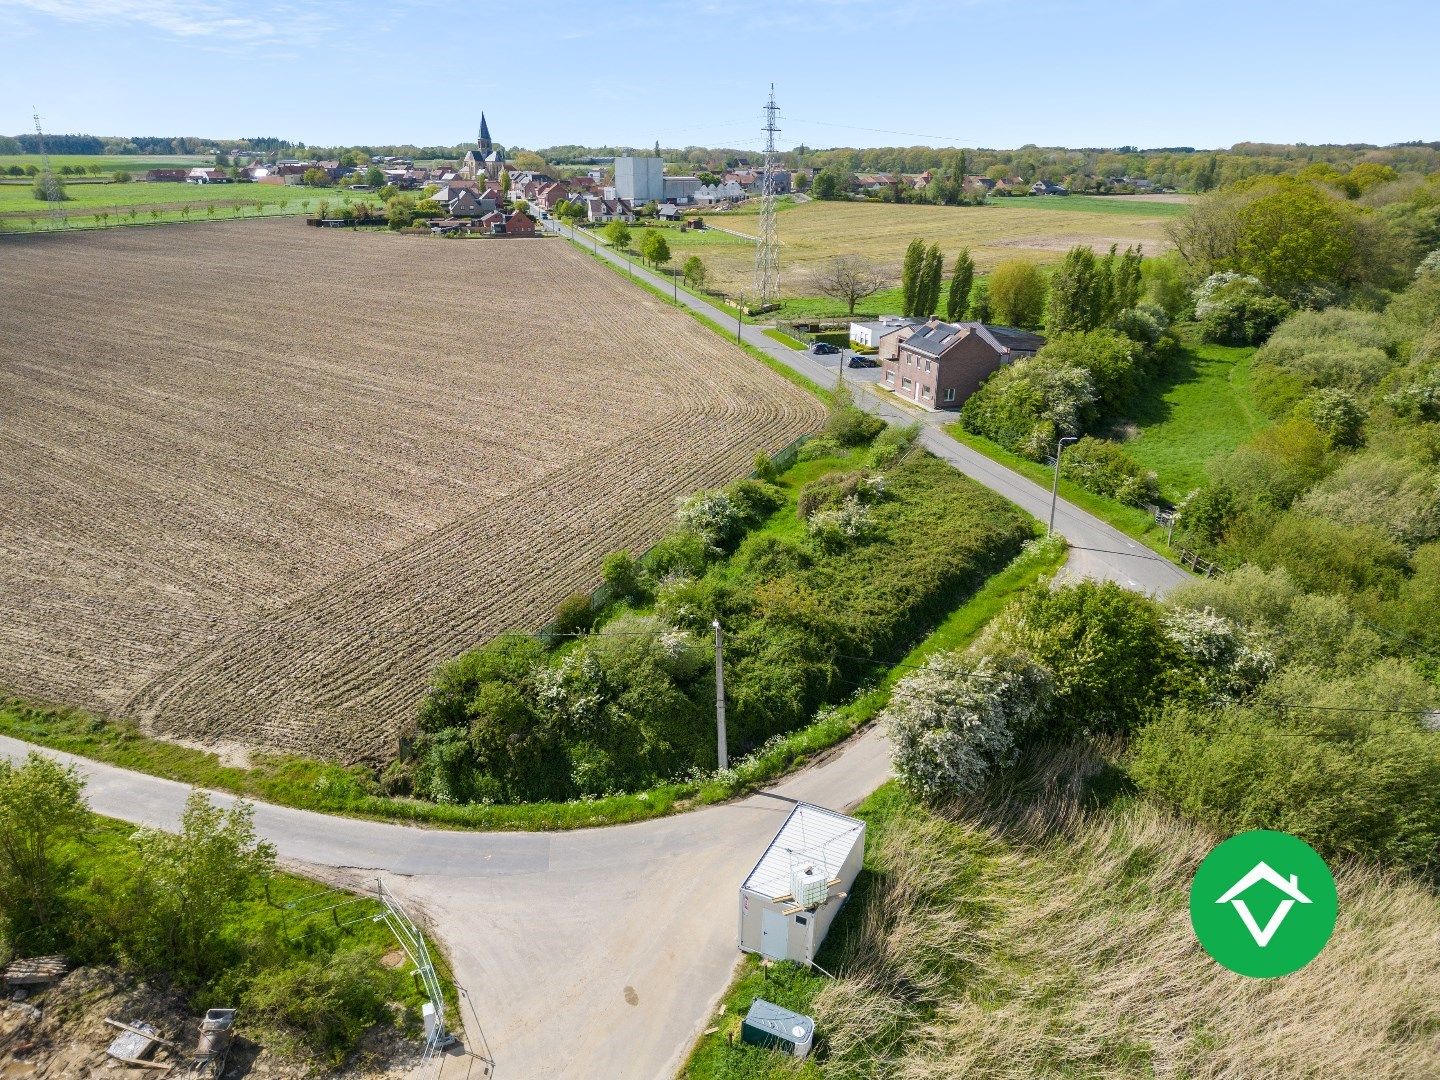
(206, 20)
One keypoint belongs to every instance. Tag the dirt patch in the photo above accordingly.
(61, 1034)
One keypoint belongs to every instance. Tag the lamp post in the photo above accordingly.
(1055, 490)
(739, 313)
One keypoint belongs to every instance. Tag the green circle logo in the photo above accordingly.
(1263, 904)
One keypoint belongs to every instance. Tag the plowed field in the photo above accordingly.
(257, 479)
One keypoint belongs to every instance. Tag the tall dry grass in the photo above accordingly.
(1030, 934)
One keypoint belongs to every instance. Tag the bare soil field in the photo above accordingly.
(259, 478)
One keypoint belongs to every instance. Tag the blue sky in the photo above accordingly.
(847, 72)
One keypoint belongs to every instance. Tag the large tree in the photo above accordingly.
(962, 278)
(1017, 293)
(617, 235)
(910, 276)
(931, 271)
(849, 278)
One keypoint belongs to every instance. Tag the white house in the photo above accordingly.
(794, 892)
(869, 334)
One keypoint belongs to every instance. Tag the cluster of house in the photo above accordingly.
(874, 183)
(282, 172)
(937, 365)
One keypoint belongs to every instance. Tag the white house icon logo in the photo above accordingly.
(1262, 872)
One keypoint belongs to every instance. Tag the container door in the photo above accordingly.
(774, 935)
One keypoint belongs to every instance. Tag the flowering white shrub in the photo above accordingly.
(842, 526)
(1430, 264)
(1216, 289)
(711, 514)
(956, 720)
(1231, 661)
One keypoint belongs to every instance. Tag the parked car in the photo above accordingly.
(863, 361)
(823, 348)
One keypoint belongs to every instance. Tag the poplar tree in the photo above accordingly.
(910, 277)
(932, 269)
(961, 279)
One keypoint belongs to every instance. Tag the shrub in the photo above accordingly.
(1320, 774)
(621, 573)
(849, 425)
(1024, 406)
(1242, 317)
(841, 526)
(1400, 497)
(683, 552)
(722, 517)
(1335, 348)
(1105, 468)
(324, 1005)
(830, 492)
(1217, 658)
(1337, 414)
(574, 615)
(1104, 646)
(1331, 557)
(891, 443)
(957, 720)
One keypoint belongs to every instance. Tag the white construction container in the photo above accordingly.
(791, 897)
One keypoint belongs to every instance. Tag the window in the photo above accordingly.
(950, 394)
(927, 365)
(924, 391)
(905, 383)
(801, 920)
(889, 376)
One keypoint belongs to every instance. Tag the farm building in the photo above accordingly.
(791, 897)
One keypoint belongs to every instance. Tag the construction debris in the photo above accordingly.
(135, 1043)
(34, 972)
(217, 1031)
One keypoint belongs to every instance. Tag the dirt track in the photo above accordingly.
(260, 478)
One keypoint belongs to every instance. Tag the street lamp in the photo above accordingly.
(1055, 490)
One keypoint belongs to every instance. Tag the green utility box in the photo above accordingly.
(767, 1024)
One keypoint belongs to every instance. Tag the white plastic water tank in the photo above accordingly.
(809, 884)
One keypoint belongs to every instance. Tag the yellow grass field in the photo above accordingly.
(259, 479)
(1041, 229)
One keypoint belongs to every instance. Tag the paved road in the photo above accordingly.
(602, 953)
(596, 953)
(1097, 549)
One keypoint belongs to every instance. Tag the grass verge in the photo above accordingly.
(784, 339)
(1130, 520)
(334, 789)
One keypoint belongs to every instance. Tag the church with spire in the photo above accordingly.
(484, 162)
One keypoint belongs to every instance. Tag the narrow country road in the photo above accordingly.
(602, 953)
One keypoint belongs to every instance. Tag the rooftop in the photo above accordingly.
(810, 834)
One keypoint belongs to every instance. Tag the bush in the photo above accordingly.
(892, 443)
(1104, 647)
(1335, 348)
(323, 1005)
(1025, 406)
(957, 720)
(722, 517)
(1400, 497)
(1337, 414)
(621, 573)
(1242, 317)
(849, 425)
(1105, 468)
(1017, 293)
(1330, 557)
(574, 615)
(1320, 774)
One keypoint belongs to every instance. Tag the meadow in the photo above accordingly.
(265, 506)
(1198, 409)
(1039, 229)
(1042, 931)
(93, 205)
(109, 163)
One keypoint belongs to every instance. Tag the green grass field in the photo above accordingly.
(131, 163)
(1200, 408)
(100, 205)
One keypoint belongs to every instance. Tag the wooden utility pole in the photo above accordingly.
(722, 754)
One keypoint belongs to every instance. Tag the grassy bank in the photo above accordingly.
(1199, 408)
(1130, 520)
(313, 785)
(1043, 932)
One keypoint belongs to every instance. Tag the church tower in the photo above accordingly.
(483, 142)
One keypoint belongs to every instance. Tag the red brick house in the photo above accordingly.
(938, 365)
